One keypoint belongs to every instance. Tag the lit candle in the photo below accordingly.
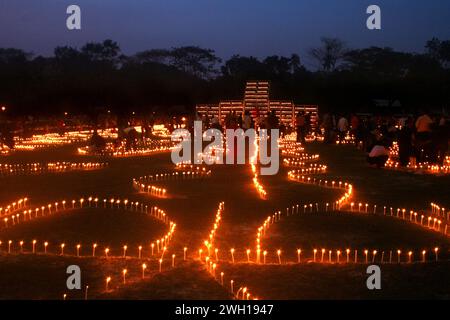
(108, 280)
(410, 256)
(124, 273)
(221, 278)
(144, 266)
(184, 253)
(366, 252)
(232, 255)
(315, 252)
(34, 246)
(140, 251)
(106, 252)
(374, 253)
(93, 249)
(323, 252)
(348, 255)
(62, 248)
(248, 255)
(160, 264)
(231, 286)
(436, 252)
(423, 255)
(279, 256)
(86, 293)
(264, 256)
(398, 255)
(125, 251)
(78, 250)
(45, 247)
(299, 252)
(173, 261)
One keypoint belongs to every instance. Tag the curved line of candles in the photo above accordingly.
(431, 222)
(13, 218)
(89, 202)
(147, 184)
(253, 160)
(210, 258)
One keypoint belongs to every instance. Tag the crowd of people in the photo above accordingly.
(423, 138)
(245, 121)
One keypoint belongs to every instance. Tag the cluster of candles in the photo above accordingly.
(424, 167)
(4, 150)
(11, 208)
(348, 139)
(57, 139)
(439, 211)
(150, 147)
(30, 168)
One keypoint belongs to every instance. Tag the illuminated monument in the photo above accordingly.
(257, 101)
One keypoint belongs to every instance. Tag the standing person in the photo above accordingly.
(327, 125)
(342, 127)
(405, 147)
(423, 136)
(307, 124)
(300, 123)
(354, 127)
(442, 137)
(206, 121)
(247, 120)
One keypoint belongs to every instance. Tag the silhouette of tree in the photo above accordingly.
(329, 54)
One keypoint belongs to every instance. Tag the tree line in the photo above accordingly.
(99, 77)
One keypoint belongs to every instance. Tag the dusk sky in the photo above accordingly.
(245, 27)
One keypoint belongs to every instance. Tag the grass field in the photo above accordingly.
(192, 205)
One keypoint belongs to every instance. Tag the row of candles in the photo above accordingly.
(151, 147)
(330, 256)
(157, 249)
(57, 139)
(258, 186)
(211, 253)
(124, 276)
(429, 222)
(30, 168)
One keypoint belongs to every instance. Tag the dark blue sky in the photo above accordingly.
(246, 27)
